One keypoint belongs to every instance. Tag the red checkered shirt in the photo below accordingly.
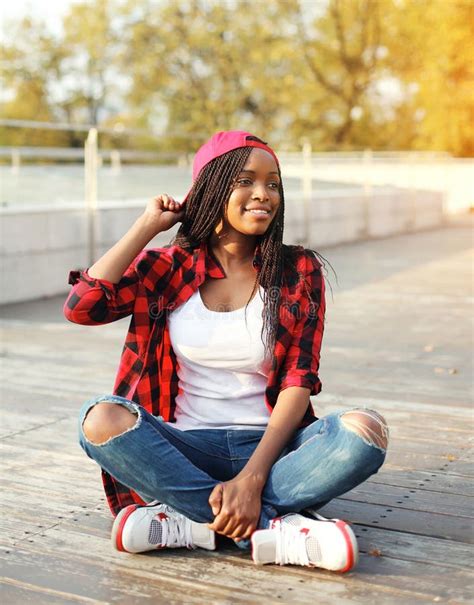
(161, 279)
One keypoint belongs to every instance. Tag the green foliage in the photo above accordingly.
(286, 70)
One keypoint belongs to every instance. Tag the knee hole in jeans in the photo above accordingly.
(368, 424)
(106, 420)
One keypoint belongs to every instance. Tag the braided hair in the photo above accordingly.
(205, 206)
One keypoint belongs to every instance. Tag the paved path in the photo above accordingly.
(398, 337)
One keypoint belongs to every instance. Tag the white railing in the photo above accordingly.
(432, 171)
(452, 177)
(393, 193)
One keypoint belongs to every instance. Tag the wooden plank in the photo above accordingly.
(411, 547)
(180, 577)
(454, 415)
(440, 482)
(403, 460)
(18, 592)
(442, 451)
(207, 568)
(416, 522)
(88, 583)
(413, 499)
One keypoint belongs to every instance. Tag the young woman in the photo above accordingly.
(210, 426)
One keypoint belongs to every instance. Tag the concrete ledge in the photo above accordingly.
(41, 245)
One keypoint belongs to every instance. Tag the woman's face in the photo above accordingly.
(256, 187)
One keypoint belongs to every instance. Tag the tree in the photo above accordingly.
(285, 69)
(431, 48)
(67, 79)
(339, 54)
(27, 63)
(89, 70)
(202, 66)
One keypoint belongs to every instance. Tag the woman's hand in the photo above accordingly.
(162, 213)
(236, 505)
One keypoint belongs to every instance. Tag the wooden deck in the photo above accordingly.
(398, 338)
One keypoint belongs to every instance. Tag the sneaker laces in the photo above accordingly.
(291, 546)
(176, 532)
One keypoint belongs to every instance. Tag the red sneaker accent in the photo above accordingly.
(118, 539)
(272, 522)
(162, 516)
(342, 525)
(304, 530)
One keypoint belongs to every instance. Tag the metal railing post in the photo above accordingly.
(368, 192)
(115, 161)
(16, 161)
(307, 192)
(91, 163)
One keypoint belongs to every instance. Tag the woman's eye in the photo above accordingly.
(244, 181)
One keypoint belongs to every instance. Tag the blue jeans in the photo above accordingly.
(320, 462)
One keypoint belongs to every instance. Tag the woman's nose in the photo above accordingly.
(260, 191)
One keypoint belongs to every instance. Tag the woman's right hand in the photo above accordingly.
(163, 212)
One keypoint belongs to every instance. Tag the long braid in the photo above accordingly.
(209, 196)
(206, 205)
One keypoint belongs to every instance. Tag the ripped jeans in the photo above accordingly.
(181, 468)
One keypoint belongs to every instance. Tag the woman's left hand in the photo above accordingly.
(236, 504)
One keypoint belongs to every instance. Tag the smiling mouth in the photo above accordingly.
(258, 212)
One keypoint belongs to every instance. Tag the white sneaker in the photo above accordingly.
(154, 526)
(298, 540)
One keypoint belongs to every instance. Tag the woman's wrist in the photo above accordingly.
(147, 226)
(257, 477)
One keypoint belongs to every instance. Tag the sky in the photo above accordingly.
(50, 10)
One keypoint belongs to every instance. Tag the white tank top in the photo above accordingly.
(221, 367)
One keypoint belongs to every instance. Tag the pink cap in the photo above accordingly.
(222, 142)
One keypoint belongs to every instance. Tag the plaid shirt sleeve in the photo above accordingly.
(301, 364)
(94, 301)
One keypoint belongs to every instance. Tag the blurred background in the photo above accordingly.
(369, 104)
